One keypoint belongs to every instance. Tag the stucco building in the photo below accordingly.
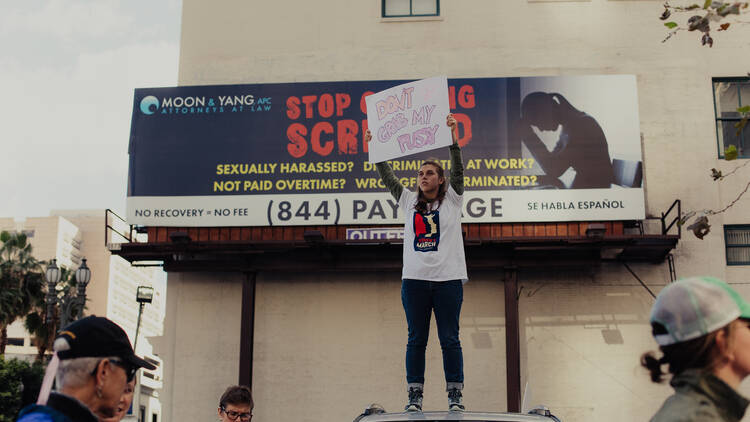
(319, 342)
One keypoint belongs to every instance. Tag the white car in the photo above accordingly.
(376, 413)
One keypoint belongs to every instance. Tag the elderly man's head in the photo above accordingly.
(96, 364)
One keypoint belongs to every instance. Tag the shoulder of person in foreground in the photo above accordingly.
(687, 407)
(36, 413)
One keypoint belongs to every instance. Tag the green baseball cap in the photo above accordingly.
(693, 307)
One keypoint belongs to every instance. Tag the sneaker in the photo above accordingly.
(454, 400)
(415, 400)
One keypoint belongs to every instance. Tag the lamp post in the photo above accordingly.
(143, 295)
(53, 277)
(71, 307)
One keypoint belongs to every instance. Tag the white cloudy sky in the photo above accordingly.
(67, 73)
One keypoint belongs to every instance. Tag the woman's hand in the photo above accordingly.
(450, 121)
(368, 136)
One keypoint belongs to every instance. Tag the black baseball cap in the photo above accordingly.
(95, 336)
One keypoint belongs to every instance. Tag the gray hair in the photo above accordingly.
(74, 372)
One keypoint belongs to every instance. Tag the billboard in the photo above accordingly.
(534, 149)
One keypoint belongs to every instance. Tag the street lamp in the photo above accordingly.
(69, 305)
(83, 276)
(143, 295)
(53, 277)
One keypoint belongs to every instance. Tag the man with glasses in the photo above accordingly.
(92, 364)
(236, 404)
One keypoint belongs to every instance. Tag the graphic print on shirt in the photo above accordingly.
(426, 231)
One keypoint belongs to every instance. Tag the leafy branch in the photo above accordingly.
(712, 12)
(700, 226)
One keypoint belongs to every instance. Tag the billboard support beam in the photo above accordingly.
(512, 343)
(247, 329)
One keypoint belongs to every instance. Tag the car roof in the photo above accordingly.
(454, 416)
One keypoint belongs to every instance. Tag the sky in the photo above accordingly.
(68, 69)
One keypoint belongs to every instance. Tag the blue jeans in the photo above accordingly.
(420, 298)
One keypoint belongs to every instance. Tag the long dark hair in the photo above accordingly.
(422, 202)
(700, 353)
(537, 103)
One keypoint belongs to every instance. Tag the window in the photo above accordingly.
(151, 361)
(737, 240)
(729, 95)
(407, 8)
(15, 341)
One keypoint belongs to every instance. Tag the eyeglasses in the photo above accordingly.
(231, 414)
(129, 370)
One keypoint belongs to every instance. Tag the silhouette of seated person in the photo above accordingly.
(581, 146)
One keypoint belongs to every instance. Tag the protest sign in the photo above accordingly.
(408, 119)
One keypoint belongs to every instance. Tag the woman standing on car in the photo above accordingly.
(434, 268)
(702, 327)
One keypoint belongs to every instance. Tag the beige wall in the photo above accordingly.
(201, 343)
(328, 344)
(325, 345)
(573, 323)
(583, 335)
(335, 342)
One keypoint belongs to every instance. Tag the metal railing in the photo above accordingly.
(117, 231)
(664, 227)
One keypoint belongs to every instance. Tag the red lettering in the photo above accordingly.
(297, 146)
(347, 136)
(452, 97)
(463, 122)
(309, 100)
(342, 102)
(362, 103)
(315, 138)
(292, 107)
(466, 97)
(364, 130)
(325, 105)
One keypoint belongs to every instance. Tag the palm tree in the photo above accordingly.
(21, 281)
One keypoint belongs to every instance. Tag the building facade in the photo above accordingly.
(326, 344)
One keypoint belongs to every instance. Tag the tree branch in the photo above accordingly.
(735, 169)
(733, 202)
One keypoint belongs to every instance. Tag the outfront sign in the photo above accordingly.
(534, 149)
